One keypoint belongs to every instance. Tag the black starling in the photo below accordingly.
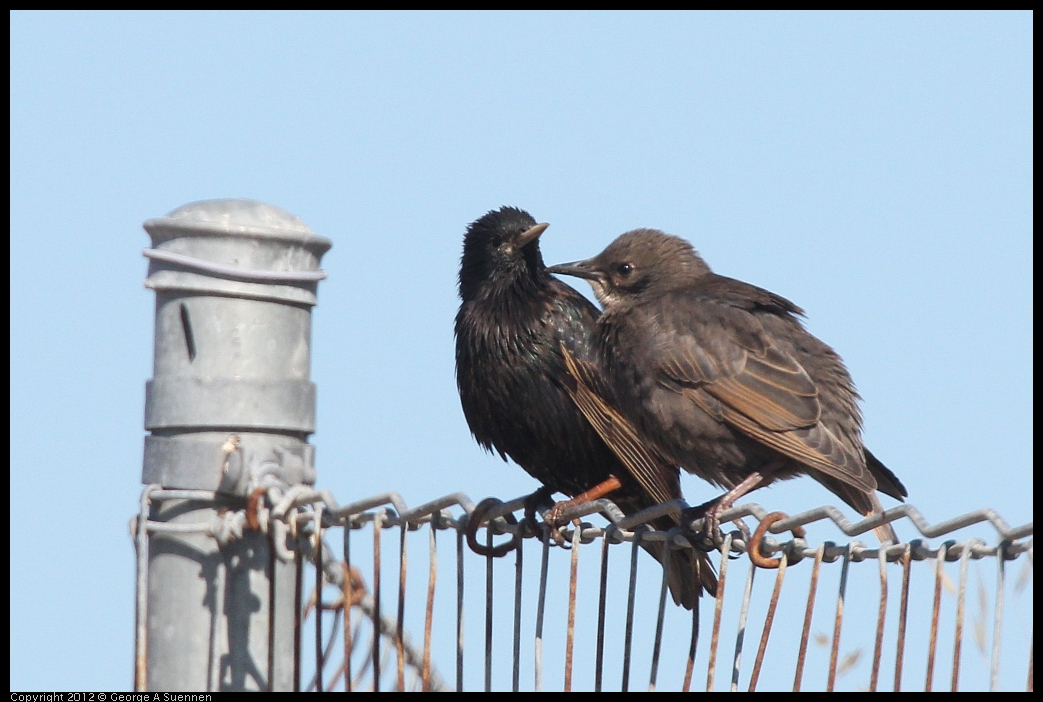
(722, 379)
(518, 332)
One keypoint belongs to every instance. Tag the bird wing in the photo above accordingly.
(771, 389)
(648, 468)
(740, 376)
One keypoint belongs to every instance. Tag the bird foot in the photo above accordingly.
(555, 520)
(540, 498)
(554, 517)
(551, 517)
(712, 520)
(712, 532)
(712, 526)
(710, 514)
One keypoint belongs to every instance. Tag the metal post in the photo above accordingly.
(229, 409)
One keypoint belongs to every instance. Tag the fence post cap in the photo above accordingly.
(234, 216)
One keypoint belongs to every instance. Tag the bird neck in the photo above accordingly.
(519, 285)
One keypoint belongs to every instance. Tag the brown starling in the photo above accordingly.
(721, 378)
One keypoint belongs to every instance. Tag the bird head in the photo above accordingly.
(640, 262)
(501, 248)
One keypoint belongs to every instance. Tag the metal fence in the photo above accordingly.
(834, 616)
(249, 579)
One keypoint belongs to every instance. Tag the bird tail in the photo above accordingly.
(884, 532)
(886, 481)
(690, 572)
(867, 504)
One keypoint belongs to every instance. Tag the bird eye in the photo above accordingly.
(624, 269)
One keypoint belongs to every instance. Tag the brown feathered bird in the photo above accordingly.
(529, 386)
(721, 377)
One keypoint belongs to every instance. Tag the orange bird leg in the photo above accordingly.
(553, 515)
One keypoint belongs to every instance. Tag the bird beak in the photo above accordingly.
(580, 269)
(531, 234)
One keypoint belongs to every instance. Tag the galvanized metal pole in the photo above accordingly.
(230, 406)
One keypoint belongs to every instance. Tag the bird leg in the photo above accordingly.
(712, 520)
(756, 479)
(553, 516)
(533, 502)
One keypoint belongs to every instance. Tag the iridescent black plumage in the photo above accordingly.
(515, 325)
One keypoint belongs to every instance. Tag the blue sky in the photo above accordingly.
(874, 168)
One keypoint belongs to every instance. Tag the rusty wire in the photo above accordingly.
(878, 641)
(628, 638)
(997, 619)
(717, 612)
(958, 636)
(599, 663)
(768, 620)
(806, 631)
(657, 648)
(518, 573)
(570, 629)
(425, 671)
(936, 609)
(303, 516)
(838, 620)
(740, 635)
(903, 616)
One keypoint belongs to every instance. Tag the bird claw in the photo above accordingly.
(533, 502)
(559, 540)
(553, 516)
(712, 529)
(554, 520)
(709, 512)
